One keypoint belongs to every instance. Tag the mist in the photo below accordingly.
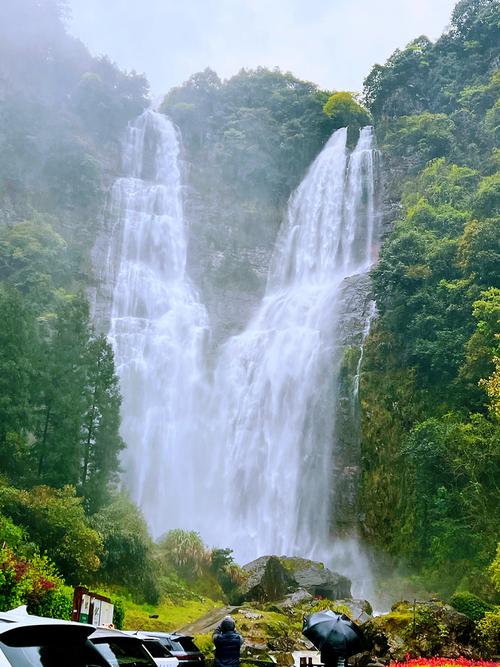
(334, 44)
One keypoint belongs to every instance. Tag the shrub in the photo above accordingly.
(471, 605)
(33, 582)
(118, 613)
(185, 552)
(228, 573)
(206, 645)
(57, 602)
(489, 632)
(10, 593)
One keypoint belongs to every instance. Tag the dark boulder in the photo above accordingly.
(317, 579)
(272, 578)
(268, 580)
(420, 629)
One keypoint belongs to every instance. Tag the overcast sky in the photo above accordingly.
(331, 42)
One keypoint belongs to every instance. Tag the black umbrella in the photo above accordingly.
(333, 633)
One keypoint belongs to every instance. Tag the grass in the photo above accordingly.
(170, 616)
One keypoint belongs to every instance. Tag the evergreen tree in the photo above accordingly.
(101, 442)
(17, 339)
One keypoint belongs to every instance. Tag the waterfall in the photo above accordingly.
(276, 384)
(245, 458)
(158, 327)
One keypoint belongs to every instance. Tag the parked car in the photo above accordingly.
(181, 647)
(161, 655)
(119, 648)
(39, 642)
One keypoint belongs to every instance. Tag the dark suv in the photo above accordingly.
(181, 647)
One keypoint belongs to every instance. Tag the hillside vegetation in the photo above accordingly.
(430, 399)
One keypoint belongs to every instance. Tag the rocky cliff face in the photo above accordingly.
(357, 312)
(231, 240)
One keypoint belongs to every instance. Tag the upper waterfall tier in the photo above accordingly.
(158, 327)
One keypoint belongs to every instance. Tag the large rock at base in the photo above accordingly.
(268, 580)
(421, 629)
(272, 578)
(317, 579)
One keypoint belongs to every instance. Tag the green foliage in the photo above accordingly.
(17, 335)
(453, 467)
(206, 644)
(118, 613)
(471, 605)
(127, 558)
(106, 98)
(429, 436)
(32, 259)
(10, 593)
(344, 111)
(228, 573)
(489, 632)
(478, 253)
(33, 582)
(56, 602)
(420, 138)
(59, 395)
(431, 77)
(483, 345)
(259, 130)
(11, 535)
(55, 520)
(488, 196)
(494, 569)
(185, 552)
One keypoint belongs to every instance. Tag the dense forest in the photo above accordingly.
(430, 401)
(430, 383)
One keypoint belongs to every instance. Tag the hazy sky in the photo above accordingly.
(331, 42)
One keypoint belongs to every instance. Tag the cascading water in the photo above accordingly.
(158, 327)
(248, 463)
(277, 382)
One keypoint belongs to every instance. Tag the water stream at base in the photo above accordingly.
(247, 458)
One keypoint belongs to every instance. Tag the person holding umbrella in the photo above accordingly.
(227, 644)
(335, 635)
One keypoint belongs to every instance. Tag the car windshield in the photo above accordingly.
(83, 655)
(124, 652)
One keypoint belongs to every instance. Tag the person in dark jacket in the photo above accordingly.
(331, 658)
(227, 644)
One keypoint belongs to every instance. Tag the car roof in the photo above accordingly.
(168, 635)
(40, 634)
(141, 634)
(19, 617)
(109, 633)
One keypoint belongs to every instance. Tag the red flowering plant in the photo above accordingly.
(34, 582)
(442, 662)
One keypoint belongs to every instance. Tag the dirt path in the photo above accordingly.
(209, 622)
